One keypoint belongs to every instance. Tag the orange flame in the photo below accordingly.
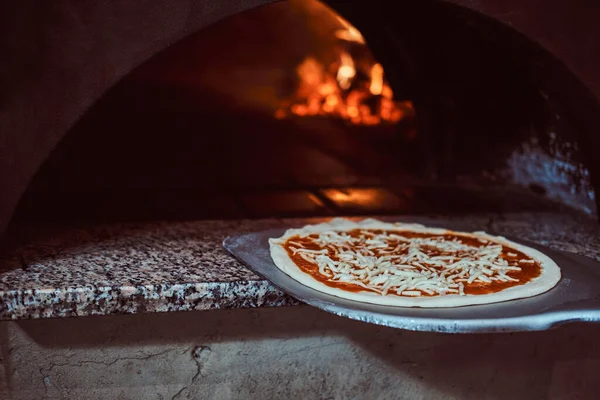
(349, 33)
(346, 72)
(340, 92)
(376, 80)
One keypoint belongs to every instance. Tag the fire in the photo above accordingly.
(376, 80)
(346, 72)
(349, 33)
(353, 89)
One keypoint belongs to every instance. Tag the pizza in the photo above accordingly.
(411, 265)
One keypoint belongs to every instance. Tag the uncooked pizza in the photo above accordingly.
(410, 265)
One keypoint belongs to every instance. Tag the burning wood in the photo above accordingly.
(353, 88)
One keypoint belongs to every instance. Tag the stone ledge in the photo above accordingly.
(181, 266)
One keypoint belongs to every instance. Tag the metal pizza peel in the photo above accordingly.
(576, 298)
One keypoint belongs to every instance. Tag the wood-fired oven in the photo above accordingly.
(107, 114)
(136, 135)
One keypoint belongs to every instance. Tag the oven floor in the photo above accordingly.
(132, 268)
(296, 201)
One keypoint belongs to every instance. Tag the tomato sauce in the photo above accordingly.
(529, 270)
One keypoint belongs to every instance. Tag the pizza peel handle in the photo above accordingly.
(576, 298)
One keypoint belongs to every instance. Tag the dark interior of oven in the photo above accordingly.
(489, 122)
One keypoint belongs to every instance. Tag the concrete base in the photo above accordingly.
(294, 353)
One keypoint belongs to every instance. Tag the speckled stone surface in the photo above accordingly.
(180, 266)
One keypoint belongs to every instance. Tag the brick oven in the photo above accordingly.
(136, 135)
(90, 133)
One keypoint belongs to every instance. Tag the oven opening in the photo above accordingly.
(300, 109)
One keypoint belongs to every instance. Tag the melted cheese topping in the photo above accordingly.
(397, 263)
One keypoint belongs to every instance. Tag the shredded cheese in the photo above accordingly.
(406, 266)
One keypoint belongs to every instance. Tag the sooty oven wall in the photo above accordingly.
(459, 103)
(489, 98)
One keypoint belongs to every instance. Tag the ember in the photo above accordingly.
(352, 88)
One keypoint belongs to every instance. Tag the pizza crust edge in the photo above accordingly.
(549, 276)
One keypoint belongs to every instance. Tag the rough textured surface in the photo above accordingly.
(182, 266)
(292, 353)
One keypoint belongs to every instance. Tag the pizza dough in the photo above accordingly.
(410, 265)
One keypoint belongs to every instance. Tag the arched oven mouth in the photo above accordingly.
(292, 111)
